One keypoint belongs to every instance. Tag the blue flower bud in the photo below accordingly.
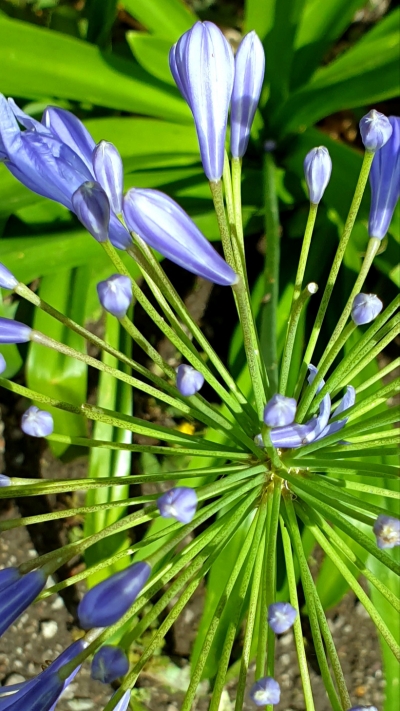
(3, 364)
(179, 503)
(109, 600)
(281, 616)
(109, 172)
(188, 380)
(202, 65)
(4, 481)
(265, 691)
(37, 423)
(115, 294)
(123, 703)
(375, 129)
(387, 531)
(8, 575)
(42, 696)
(13, 331)
(363, 708)
(92, 208)
(7, 280)
(249, 76)
(162, 224)
(385, 183)
(109, 663)
(279, 411)
(366, 308)
(19, 596)
(317, 171)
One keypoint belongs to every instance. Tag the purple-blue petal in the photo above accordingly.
(8, 576)
(249, 76)
(109, 663)
(281, 616)
(91, 206)
(7, 279)
(387, 531)
(365, 308)
(265, 691)
(280, 411)
(19, 596)
(68, 129)
(4, 479)
(3, 366)
(317, 171)
(375, 129)
(109, 172)
(13, 331)
(37, 423)
(179, 503)
(115, 294)
(385, 183)
(188, 380)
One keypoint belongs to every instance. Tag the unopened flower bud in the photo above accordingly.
(280, 411)
(8, 575)
(387, 531)
(115, 294)
(249, 75)
(366, 308)
(317, 171)
(92, 208)
(109, 172)
(7, 280)
(281, 616)
(265, 691)
(188, 380)
(375, 129)
(123, 703)
(37, 423)
(13, 331)
(385, 183)
(4, 480)
(363, 708)
(20, 594)
(109, 663)
(3, 364)
(179, 503)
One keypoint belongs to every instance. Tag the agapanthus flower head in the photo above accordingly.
(163, 225)
(281, 616)
(4, 480)
(188, 380)
(247, 85)
(92, 208)
(365, 308)
(37, 423)
(387, 531)
(7, 280)
(107, 601)
(20, 594)
(375, 129)
(265, 691)
(317, 171)
(385, 183)
(3, 364)
(109, 172)
(202, 65)
(115, 294)
(109, 663)
(13, 331)
(179, 503)
(280, 410)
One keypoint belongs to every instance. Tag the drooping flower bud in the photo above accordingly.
(109, 172)
(92, 208)
(7, 280)
(37, 423)
(375, 129)
(281, 616)
(317, 171)
(20, 594)
(188, 380)
(3, 364)
(179, 503)
(385, 183)
(109, 663)
(366, 308)
(387, 531)
(13, 331)
(109, 600)
(202, 65)
(249, 76)
(162, 224)
(280, 411)
(265, 691)
(4, 481)
(115, 294)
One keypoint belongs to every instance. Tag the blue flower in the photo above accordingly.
(385, 183)
(123, 703)
(317, 171)
(13, 331)
(387, 531)
(249, 76)
(109, 600)
(179, 503)
(365, 309)
(37, 423)
(375, 130)
(20, 593)
(115, 294)
(109, 172)
(188, 380)
(280, 411)
(162, 224)
(8, 575)
(265, 691)
(281, 616)
(91, 206)
(109, 663)
(202, 65)
(7, 280)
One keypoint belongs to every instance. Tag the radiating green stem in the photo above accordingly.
(271, 275)
(271, 572)
(237, 199)
(218, 199)
(351, 218)
(305, 248)
(298, 305)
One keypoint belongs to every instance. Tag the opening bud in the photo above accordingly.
(37, 423)
(92, 208)
(115, 294)
(280, 411)
(281, 616)
(265, 691)
(375, 129)
(366, 308)
(179, 503)
(188, 380)
(109, 663)
(109, 172)
(317, 171)
(387, 531)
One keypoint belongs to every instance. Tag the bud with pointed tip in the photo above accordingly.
(3, 364)
(365, 309)
(317, 171)
(37, 423)
(92, 208)
(249, 76)
(7, 280)
(13, 331)
(280, 411)
(20, 594)
(385, 183)
(115, 294)
(265, 691)
(179, 503)
(109, 172)
(8, 575)
(188, 380)
(281, 616)
(109, 663)
(375, 129)
(387, 531)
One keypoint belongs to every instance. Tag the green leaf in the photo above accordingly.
(167, 18)
(49, 63)
(259, 16)
(101, 16)
(152, 54)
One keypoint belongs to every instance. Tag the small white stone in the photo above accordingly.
(49, 629)
(80, 704)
